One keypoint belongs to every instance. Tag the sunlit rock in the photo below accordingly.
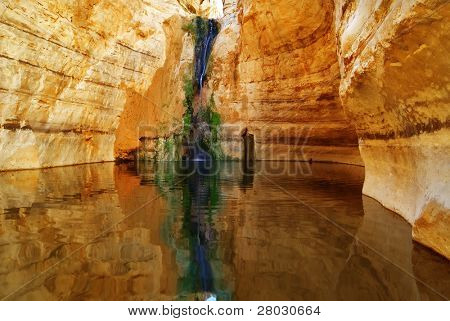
(98, 80)
(276, 75)
(395, 68)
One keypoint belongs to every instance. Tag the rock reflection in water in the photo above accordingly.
(223, 232)
(52, 214)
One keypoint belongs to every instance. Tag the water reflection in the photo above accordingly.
(170, 231)
(201, 200)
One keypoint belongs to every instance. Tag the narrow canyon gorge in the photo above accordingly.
(345, 83)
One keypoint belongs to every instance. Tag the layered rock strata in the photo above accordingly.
(276, 76)
(395, 67)
(72, 70)
(85, 81)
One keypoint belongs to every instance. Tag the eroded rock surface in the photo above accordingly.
(276, 74)
(212, 9)
(83, 81)
(395, 68)
(70, 69)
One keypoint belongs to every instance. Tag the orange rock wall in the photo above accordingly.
(276, 73)
(82, 81)
(395, 68)
(70, 69)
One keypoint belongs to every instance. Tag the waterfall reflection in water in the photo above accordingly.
(222, 233)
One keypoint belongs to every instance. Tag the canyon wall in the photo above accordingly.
(395, 68)
(309, 79)
(157, 112)
(212, 9)
(76, 74)
(276, 75)
(83, 81)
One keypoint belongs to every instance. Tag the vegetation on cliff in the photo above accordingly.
(202, 128)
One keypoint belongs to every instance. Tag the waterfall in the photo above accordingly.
(204, 32)
(203, 47)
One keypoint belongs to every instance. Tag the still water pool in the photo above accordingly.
(179, 231)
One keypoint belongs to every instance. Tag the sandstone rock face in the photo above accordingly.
(276, 74)
(83, 81)
(157, 111)
(69, 70)
(212, 9)
(88, 79)
(395, 67)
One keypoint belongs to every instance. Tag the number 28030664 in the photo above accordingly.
(288, 310)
